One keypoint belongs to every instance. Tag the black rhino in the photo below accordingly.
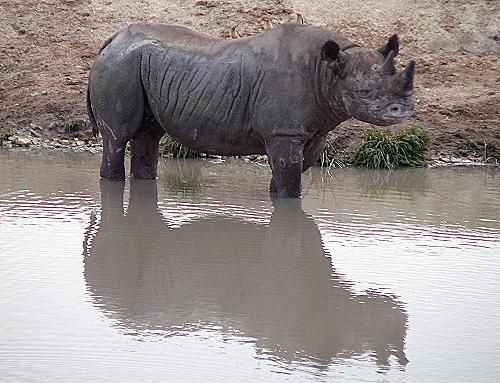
(277, 93)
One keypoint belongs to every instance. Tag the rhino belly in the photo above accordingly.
(209, 137)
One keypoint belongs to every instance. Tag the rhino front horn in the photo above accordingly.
(407, 75)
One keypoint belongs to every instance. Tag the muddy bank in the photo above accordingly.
(48, 47)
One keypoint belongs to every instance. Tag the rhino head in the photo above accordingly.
(368, 86)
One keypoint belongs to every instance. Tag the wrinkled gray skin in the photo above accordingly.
(277, 93)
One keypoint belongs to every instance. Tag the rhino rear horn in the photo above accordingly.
(407, 76)
(391, 45)
(389, 67)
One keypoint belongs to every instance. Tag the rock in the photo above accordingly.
(7, 144)
(64, 142)
(23, 141)
(12, 138)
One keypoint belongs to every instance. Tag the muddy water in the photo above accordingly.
(200, 277)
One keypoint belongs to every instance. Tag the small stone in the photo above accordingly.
(23, 141)
(12, 138)
(7, 144)
(34, 133)
(64, 142)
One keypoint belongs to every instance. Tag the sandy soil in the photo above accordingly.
(48, 46)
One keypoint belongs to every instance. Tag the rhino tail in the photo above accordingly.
(90, 112)
(107, 42)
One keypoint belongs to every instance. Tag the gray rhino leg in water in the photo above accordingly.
(277, 93)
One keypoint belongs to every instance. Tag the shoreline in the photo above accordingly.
(94, 147)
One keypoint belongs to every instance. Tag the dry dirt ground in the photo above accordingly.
(48, 46)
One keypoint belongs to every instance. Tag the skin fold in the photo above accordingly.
(278, 93)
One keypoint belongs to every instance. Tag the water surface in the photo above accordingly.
(201, 277)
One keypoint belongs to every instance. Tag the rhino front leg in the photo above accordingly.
(285, 155)
(312, 151)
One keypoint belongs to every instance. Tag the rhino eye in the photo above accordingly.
(365, 93)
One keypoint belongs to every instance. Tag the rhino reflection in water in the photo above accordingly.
(273, 283)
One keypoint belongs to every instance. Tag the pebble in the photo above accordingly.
(23, 141)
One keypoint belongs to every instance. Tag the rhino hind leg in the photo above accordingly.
(113, 156)
(144, 149)
(116, 102)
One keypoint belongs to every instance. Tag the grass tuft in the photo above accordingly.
(74, 125)
(380, 151)
(173, 149)
(486, 151)
(6, 132)
(180, 176)
(330, 157)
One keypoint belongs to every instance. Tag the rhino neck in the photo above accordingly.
(327, 94)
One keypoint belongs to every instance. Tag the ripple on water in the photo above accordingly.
(372, 276)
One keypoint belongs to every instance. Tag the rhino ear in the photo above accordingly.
(391, 45)
(331, 52)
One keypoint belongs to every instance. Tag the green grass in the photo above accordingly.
(6, 132)
(486, 151)
(74, 125)
(181, 176)
(173, 149)
(330, 157)
(380, 151)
